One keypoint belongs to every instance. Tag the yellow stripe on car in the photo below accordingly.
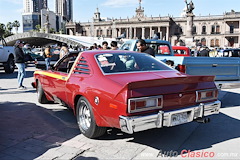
(57, 76)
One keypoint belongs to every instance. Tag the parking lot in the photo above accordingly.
(29, 130)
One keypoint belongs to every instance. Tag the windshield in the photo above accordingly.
(129, 62)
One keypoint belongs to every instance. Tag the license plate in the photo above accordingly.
(179, 118)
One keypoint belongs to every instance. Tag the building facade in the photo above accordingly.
(34, 5)
(31, 15)
(64, 8)
(212, 31)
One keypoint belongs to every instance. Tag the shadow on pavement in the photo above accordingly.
(15, 74)
(230, 99)
(28, 130)
(192, 136)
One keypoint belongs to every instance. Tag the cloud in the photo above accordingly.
(119, 3)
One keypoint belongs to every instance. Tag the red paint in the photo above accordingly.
(114, 90)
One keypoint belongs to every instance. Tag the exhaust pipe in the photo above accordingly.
(203, 120)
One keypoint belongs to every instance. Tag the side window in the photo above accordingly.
(163, 50)
(66, 64)
(126, 46)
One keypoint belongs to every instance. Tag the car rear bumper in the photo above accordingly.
(168, 119)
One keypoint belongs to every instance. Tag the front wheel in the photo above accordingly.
(86, 121)
(10, 65)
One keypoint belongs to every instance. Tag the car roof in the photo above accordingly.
(94, 52)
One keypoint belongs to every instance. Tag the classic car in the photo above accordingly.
(225, 69)
(41, 64)
(127, 90)
(181, 51)
(40, 61)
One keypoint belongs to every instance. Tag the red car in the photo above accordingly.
(127, 90)
(181, 51)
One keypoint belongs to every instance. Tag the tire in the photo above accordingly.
(86, 120)
(10, 65)
(40, 94)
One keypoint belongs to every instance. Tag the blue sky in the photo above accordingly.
(11, 10)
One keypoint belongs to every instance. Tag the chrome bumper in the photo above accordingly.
(165, 119)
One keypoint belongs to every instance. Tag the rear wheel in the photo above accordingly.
(9, 65)
(40, 94)
(86, 120)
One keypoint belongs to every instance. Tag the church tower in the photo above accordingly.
(97, 17)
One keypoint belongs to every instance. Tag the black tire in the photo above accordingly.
(86, 120)
(40, 94)
(10, 65)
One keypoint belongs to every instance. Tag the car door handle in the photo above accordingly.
(63, 78)
(214, 65)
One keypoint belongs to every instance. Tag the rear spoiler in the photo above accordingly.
(169, 81)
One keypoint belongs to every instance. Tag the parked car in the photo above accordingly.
(126, 90)
(7, 55)
(224, 68)
(29, 55)
(38, 51)
(41, 64)
(181, 51)
(232, 52)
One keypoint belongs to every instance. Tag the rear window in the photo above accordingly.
(129, 62)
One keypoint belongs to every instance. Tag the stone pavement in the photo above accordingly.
(29, 130)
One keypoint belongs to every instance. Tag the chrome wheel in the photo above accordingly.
(84, 116)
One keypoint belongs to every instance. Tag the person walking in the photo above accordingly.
(142, 47)
(47, 56)
(20, 63)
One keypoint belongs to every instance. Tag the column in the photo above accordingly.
(150, 33)
(130, 33)
(167, 33)
(127, 32)
(143, 33)
(135, 33)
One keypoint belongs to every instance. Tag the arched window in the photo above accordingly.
(212, 43)
(213, 29)
(218, 29)
(204, 30)
(203, 42)
(231, 28)
(217, 43)
(194, 31)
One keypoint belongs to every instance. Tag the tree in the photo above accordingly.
(52, 30)
(38, 27)
(16, 25)
(9, 26)
(2, 29)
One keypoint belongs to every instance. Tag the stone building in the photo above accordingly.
(212, 31)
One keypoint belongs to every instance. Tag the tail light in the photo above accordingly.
(144, 104)
(181, 68)
(206, 95)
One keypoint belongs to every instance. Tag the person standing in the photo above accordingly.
(114, 45)
(64, 50)
(204, 52)
(142, 47)
(47, 56)
(20, 63)
(105, 45)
